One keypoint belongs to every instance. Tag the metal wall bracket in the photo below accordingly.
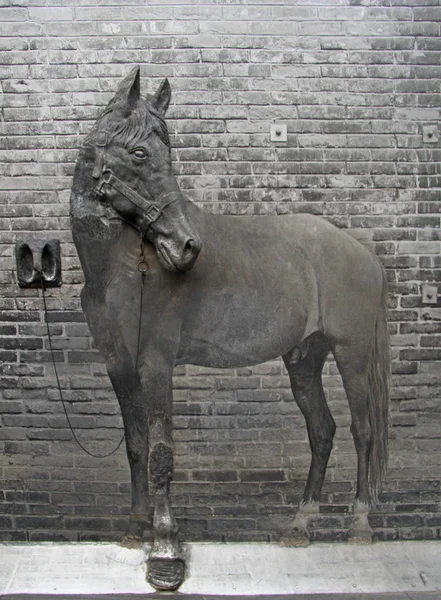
(278, 132)
(38, 261)
(430, 134)
(429, 293)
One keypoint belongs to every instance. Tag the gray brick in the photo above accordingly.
(50, 14)
(13, 14)
(354, 84)
(429, 13)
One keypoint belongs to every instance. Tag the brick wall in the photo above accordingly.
(355, 81)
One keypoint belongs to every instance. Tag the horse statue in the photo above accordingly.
(218, 291)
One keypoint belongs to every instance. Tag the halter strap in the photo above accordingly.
(100, 143)
(151, 211)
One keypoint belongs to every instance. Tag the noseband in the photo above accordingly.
(152, 211)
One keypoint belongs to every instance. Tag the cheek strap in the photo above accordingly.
(99, 163)
(101, 143)
(150, 211)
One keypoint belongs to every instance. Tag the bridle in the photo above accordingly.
(151, 211)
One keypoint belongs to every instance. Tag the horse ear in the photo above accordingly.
(162, 97)
(128, 93)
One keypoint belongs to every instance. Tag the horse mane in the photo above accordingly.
(130, 130)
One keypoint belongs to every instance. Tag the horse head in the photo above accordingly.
(133, 170)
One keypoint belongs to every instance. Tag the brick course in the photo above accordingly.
(355, 82)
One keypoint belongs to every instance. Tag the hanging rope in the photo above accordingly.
(142, 268)
(59, 385)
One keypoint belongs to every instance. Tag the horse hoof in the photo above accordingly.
(131, 541)
(360, 540)
(296, 539)
(360, 537)
(165, 573)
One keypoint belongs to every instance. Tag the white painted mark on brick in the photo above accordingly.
(111, 28)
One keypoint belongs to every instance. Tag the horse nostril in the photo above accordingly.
(189, 245)
(190, 252)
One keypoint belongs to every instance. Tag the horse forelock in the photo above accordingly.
(132, 129)
(160, 126)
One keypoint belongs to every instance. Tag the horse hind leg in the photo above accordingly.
(355, 381)
(365, 381)
(304, 364)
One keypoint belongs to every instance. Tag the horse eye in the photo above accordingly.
(139, 153)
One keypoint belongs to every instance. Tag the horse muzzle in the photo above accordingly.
(177, 250)
(178, 257)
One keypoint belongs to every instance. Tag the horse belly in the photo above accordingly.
(238, 332)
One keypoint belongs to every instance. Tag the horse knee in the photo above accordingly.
(136, 453)
(161, 465)
(117, 371)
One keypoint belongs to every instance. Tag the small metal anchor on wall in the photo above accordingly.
(38, 262)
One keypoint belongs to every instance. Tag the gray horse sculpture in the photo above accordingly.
(219, 291)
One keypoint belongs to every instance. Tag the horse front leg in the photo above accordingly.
(165, 564)
(135, 417)
(109, 338)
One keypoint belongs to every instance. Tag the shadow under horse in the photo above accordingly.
(220, 291)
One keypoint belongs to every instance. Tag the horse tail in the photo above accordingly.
(378, 398)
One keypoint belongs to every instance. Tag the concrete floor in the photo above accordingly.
(228, 569)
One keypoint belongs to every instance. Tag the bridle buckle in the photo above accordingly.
(106, 178)
(152, 212)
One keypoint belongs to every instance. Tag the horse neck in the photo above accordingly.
(96, 231)
(195, 213)
(82, 199)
